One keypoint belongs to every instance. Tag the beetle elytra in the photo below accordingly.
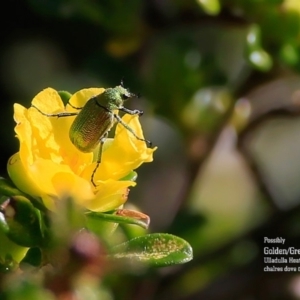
(94, 120)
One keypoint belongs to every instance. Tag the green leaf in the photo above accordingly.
(7, 265)
(20, 221)
(157, 249)
(8, 189)
(131, 176)
(65, 96)
(255, 54)
(119, 216)
(211, 7)
(33, 257)
(261, 60)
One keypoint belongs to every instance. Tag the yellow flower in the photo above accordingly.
(48, 166)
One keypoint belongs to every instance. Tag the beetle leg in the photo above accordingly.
(58, 115)
(102, 140)
(131, 112)
(119, 120)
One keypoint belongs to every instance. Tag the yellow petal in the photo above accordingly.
(49, 181)
(80, 98)
(111, 194)
(52, 133)
(19, 175)
(48, 101)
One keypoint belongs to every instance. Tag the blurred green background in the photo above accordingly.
(220, 88)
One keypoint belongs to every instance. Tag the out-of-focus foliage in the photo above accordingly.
(219, 84)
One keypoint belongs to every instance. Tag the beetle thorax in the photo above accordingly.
(113, 98)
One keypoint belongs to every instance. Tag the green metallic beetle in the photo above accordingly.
(96, 118)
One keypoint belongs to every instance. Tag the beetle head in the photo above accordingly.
(124, 93)
(113, 98)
